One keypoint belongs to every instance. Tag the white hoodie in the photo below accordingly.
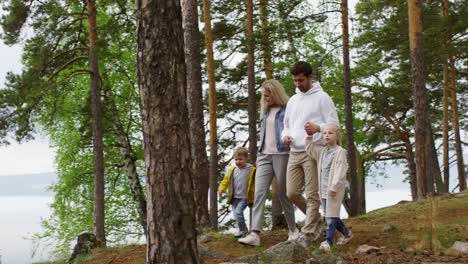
(316, 106)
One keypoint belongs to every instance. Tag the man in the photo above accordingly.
(306, 112)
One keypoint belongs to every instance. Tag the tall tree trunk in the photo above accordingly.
(212, 109)
(349, 112)
(96, 109)
(278, 221)
(162, 85)
(195, 106)
(252, 100)
(445, 133)
(129, 158)
(268, 66)
(456, 129)
(419, 94)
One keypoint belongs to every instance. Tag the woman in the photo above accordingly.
(272, 160)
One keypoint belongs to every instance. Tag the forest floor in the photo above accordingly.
(422, 232)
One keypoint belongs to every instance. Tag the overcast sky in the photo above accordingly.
(27, 158)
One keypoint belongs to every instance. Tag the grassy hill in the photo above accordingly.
(419, 232)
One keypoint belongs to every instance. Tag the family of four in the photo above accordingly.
(299, 145)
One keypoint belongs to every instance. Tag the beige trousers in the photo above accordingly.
(302, 176)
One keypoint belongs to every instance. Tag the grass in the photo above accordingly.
(423, 231)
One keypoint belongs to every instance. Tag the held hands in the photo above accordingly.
(287, 140)
(331, 193)
(311, 128)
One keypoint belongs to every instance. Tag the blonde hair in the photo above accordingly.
(241, 151)
(277, 93)
(337, 130)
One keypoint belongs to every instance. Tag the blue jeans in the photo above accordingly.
(238, 207)
(333, 223)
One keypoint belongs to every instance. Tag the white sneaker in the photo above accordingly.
(325, 246)
(252, 239)
(293, 235)
(240, 233)
(344, 239)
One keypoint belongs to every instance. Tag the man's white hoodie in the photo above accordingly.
(316, 106)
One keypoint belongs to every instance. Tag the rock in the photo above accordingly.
(287, 251)
(204, 238)
(206, 252)
(460, 246)
(366, 249)
(85, 242)
(403, 202)
(388, 228)
(284, 252)
(325, 259)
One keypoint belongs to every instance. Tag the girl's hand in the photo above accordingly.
(331, 193)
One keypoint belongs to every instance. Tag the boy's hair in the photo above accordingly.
(337, 130)
(301, 67)
(241, 151)
(277, 92)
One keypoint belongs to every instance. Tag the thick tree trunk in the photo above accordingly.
(268, 66)
(195, 106)
(252, 100)
(349, 113)
(212, 109)
(419, 94)
(96, 109)
(456, 129)
(162, 85)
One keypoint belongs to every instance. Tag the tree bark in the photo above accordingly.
(96, 109)
(162, 86)
(361, 180)
(419, 94)
(251, 100)
(349, 113)
(445, 128)
(129, 158)
(212, 109)
(456, 129)
(195, 106)
(268, 66)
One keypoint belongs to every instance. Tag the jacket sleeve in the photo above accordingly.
(328, 112)
(340, 171)
(252, 188)
(286, 131)
(225, 182)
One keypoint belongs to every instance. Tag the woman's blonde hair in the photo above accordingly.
(277, 93)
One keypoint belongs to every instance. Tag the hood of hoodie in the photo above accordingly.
(315, 89)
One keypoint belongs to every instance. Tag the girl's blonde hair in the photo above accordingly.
(277, 93)
(337, 130)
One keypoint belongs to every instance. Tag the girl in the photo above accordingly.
(332, 168)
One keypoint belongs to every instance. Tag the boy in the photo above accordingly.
(240, 183)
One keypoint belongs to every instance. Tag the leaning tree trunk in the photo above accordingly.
(129, 158)
(349, 113)
(162, 86)
(96, 110)
(252, 100)
(195, 106)
(212, 109)
(419, 94)
(456, 129)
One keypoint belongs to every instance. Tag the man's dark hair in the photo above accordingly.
(301, 67)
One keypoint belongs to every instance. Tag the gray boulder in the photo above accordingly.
(284, 252)
(460, 246)
(366, 249)
(325, 259)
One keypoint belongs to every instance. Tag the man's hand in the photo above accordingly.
(331, 193)
(311, 128)
(287, 140)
